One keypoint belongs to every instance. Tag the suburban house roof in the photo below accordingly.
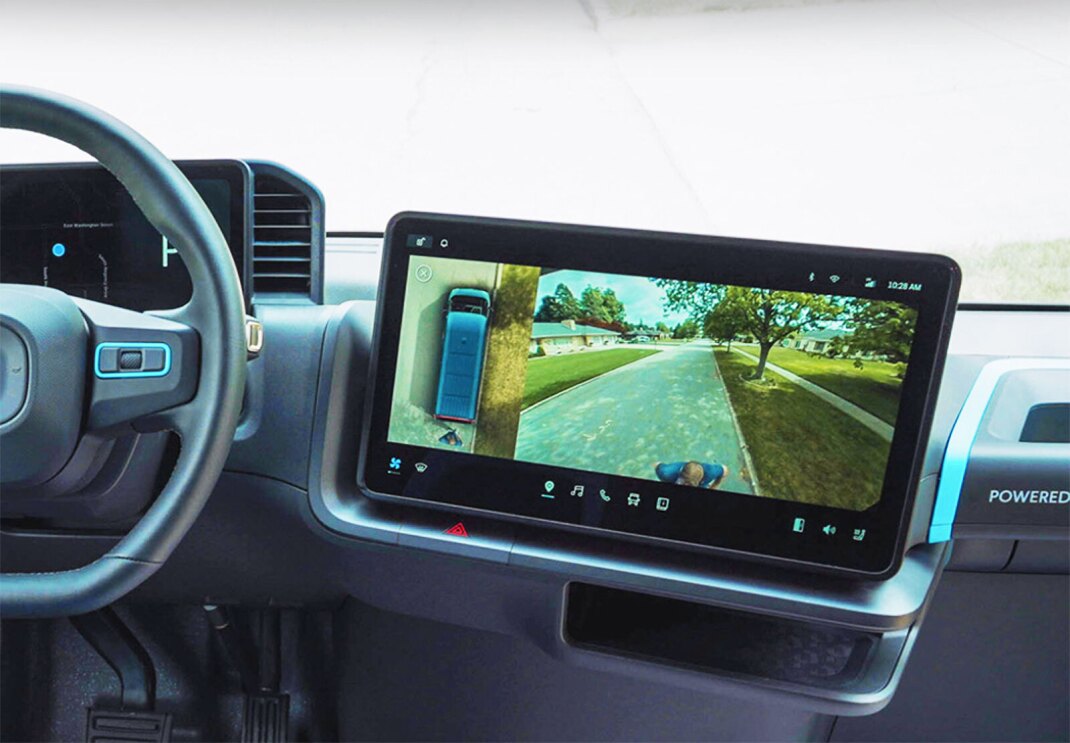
(560, 330)
(822, 334)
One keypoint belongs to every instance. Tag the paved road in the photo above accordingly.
(867, 419)
(668, 407)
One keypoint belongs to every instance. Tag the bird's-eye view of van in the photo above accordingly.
(464, 344)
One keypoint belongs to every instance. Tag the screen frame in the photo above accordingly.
(718, 260)
(236, 173)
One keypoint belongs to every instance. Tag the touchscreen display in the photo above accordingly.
(704, 411)
(774, 394)
(76, 229)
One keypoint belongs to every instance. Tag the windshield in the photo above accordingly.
(904, 125)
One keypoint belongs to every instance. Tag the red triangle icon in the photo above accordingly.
(457, 530)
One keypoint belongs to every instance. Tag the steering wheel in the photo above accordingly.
(92, 372)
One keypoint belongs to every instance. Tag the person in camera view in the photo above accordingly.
(692, 474)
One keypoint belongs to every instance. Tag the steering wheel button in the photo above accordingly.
(109, 360)
(130, 360)
(152, 360)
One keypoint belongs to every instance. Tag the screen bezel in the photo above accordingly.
(236, 173)
(691, 257)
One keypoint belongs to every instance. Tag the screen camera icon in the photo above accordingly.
(419, 241)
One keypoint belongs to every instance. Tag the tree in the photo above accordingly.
(769, 316)
(593, 304)
(693, 297)
(881, 329)
(724, 323)
(662, 328)
(687, 329)
(561, 305)
(613, 306)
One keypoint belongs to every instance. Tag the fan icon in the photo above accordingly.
(395, 463)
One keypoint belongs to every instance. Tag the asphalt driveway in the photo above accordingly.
(669, 407)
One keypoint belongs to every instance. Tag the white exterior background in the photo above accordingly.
(904, 124)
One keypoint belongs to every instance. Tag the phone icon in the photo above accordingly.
(604, 495)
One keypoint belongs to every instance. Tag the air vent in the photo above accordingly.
(287, 236)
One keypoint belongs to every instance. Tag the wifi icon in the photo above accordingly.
(834, 278)
(420, 467)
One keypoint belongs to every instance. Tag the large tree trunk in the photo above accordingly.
(763, 356)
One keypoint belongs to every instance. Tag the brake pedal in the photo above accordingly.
(266, 718)
(103, 726)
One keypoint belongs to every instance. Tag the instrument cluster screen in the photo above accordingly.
(76, 229)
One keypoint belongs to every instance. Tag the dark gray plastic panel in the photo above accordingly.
(1052, 557)
(1014, 483)
(339, 399)
(467, 537)
(275, 430)
(990, 664)
(981, 555)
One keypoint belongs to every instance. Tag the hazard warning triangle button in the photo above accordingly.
(457, 530)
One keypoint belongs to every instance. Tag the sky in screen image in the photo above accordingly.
(642, 299)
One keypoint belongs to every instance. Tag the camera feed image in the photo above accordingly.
(463, 354)
(775, 394)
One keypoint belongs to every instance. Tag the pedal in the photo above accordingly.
(266, 719)
(104, 726)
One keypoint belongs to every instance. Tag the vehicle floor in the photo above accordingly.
(362, 673)
(50, 675)
(989, 665)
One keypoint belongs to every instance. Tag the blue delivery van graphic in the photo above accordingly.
(463, 346)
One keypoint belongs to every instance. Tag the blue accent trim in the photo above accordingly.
(132, 374)
(964, 433)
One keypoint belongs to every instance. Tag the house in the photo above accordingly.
(813, 341)
(567, 336)
(644, 334)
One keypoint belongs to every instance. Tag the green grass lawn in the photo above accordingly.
(549, 375)
(874, 387)
(802, 448)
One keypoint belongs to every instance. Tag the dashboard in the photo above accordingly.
(461, 532)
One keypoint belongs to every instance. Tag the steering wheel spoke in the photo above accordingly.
(140, 364)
